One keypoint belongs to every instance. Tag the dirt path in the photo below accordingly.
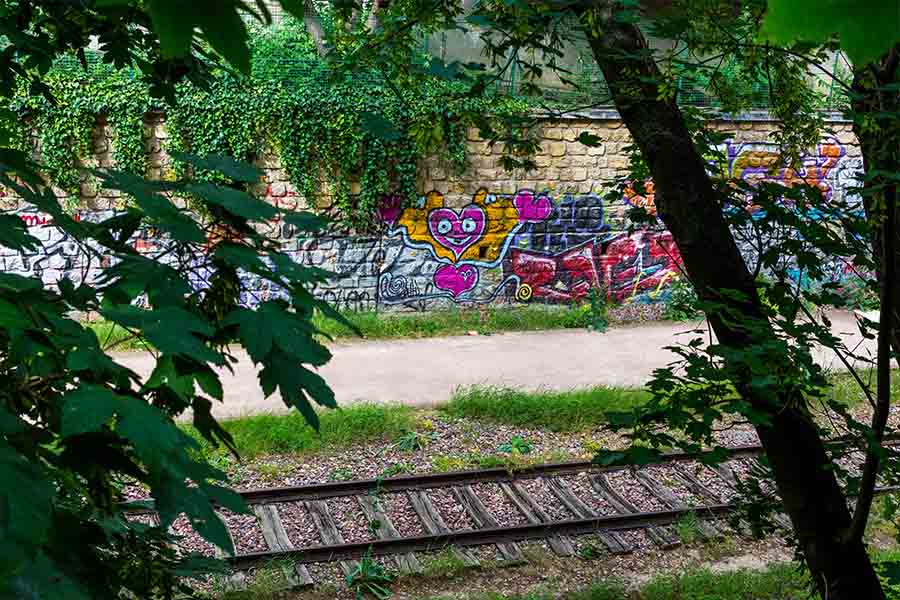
(425, 372)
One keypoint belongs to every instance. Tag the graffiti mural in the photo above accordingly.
(523, 247)
(755, 162)
(526, 246)
(454, 246)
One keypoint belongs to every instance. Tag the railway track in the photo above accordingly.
(591, 496)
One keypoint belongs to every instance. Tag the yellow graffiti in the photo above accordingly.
(524, 293)
(500, 219)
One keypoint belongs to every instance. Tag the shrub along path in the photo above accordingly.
(426, 372)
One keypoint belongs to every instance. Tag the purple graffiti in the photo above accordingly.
(532, 209)
(457, 231)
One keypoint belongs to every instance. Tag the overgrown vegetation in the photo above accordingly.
(386, 325)
(290, 106)
(487, 320)
(574, 410)
(783, 581)
(290, 433)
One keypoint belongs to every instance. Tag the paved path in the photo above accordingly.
(425, 372)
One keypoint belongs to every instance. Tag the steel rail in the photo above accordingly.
(477, 537)
(493, 535)
(323, 491)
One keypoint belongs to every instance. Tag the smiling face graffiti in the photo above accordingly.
(457, 231)
(477, 232)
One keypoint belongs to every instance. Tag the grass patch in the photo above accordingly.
(446, 563)
(574, 410)
(515, 461)
(113, 337)
(290, 434)
(781, 581)
(845, 390)
(394, 325)
(381, 325)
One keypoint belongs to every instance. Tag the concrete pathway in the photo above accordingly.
(425, 372)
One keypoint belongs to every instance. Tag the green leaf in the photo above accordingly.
(25, 510)
(170, 329)
(866, 30)
(165, 374)
(88, 408)
(219, 20)
(273, 326)
(234, 169)
(160, 209)
(209, 428)
(243, 257)
(226, 32)
(174, 22)
(589, 139)
(42, 579)
(305, 221)
(14, 234)
(234, 201)
(379, 127)
(209, 382)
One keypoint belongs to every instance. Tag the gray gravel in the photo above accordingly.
(666, 476)
(496, 502)
(245, 531)
(633, 491)
(190, 541)
(454, 515)
(350, 520)
(298, 525)
(400, 511)
(546, 499)
(581, 487)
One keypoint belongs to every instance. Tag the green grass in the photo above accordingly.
(845, 390)
(575, 410)
(283, 434)
(387, 325)
(382, 325)
(446, 563)
(778, 582)
(113, 337)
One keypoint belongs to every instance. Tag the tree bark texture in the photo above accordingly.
(880, 152)
(688, 204)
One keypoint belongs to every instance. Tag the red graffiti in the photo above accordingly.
(40, 219)
(642, 262)
(566, 276)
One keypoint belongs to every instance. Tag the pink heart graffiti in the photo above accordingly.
(457, 231)
(456, 279)
(531, 209)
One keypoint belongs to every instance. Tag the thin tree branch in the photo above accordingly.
(882, 407)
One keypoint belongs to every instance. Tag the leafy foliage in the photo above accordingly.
(320, 126)
(76, 426)
(370, 578)
(866, 31)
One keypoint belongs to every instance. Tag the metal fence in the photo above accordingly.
(590, 88)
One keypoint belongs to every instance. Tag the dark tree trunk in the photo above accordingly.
(688, 204)
(880, 150)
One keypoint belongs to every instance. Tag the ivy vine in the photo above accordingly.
(314, 124)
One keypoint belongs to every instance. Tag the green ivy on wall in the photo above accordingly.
(314, 123)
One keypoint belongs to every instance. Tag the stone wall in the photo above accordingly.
(486, 236)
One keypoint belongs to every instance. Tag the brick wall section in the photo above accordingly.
(483, 236)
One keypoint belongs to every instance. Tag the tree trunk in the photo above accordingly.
(688, 204)
(880, 151)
